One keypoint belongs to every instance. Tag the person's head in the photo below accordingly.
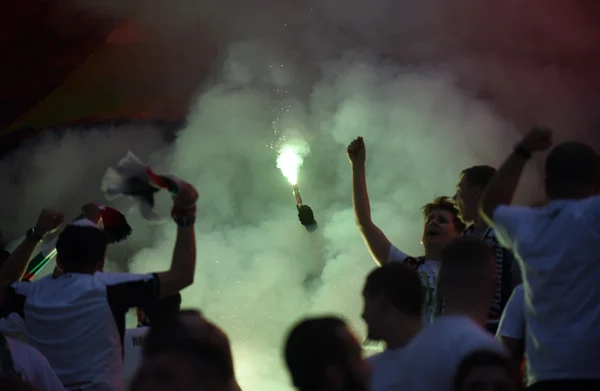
(185, 366)
(392, 296)
(161, 310)
(323, 354)
(487, 371)
(186, 352)
(81, 249)
(442, 223)
(473, 181)
(467, 276)
(571, 171)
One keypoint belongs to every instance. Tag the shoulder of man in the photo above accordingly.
(112, 278)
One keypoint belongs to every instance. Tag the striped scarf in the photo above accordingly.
(504, 264)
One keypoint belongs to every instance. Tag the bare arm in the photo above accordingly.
(501, 188)
(376, 241)
(183, 264)
(15, 266)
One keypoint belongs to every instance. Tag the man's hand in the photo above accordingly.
(48, 222)
(538, 139)
(306, 215)
(357, 153)
(186, 197)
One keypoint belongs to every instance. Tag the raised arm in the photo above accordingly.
(377, 243)
(501, 188)
(183, 264)
(16, 264)
(317, 241)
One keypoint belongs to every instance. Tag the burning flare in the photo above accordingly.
(289, 162)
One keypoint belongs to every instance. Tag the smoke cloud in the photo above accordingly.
(432, 86)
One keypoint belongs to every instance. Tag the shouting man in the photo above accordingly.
(442, 224)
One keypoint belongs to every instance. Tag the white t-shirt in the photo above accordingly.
(12, 326)
(77, 321)
(384, 368)
(558, 247)
(132, 342)
(428, 272)
(33, 366)
(433, 356)
(512, 323)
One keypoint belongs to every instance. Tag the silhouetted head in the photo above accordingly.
(323, 354)
(442, 223)
(467, 276)
(487, 371)
(195, 365)
(571, 171)
(392, 293)
(473, 181)
(81, 249)
(184, 353)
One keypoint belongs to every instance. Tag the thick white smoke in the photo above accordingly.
(253, 255)
(433, 88)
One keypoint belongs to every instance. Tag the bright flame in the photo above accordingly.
(289, 163)
(290, 159)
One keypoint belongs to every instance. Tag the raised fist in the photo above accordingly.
(306, 215)
(357, 152)
(538, 139)
(186, 196)
(48, 222)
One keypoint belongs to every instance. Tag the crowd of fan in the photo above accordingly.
(498, 286)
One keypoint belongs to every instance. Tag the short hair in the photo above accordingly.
(311, 347)
(162, 309)
(486, 358)
(479, 175)
(571, 163)
(208, 361)
(173, 336)
(445, 203)
(400, 284)
(466, 262)
(80, 248)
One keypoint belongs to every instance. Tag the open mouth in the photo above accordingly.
(432, 232)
